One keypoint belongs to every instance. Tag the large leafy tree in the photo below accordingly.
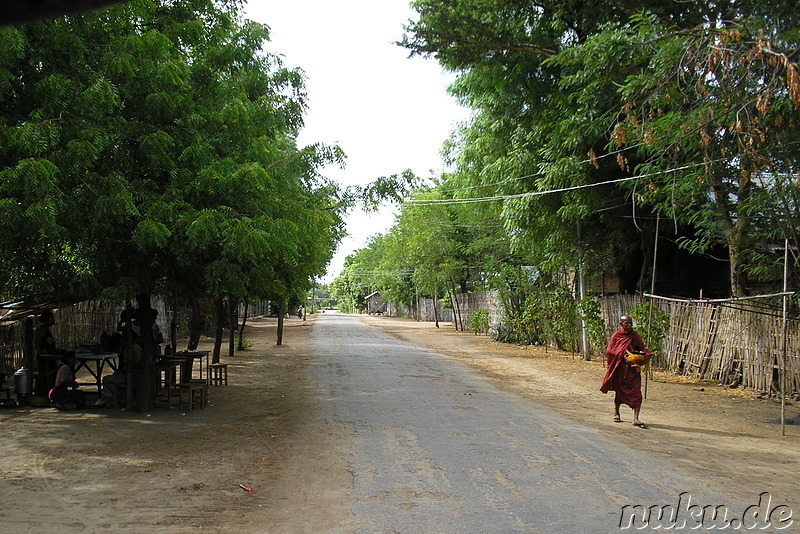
(150, 148)
(710, 114)
(543, 123)
(518, 141)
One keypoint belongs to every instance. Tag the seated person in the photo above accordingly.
(117, 379)
(65, 394)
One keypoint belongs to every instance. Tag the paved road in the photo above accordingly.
(439, 449)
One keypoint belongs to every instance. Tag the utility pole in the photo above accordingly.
(582, 295)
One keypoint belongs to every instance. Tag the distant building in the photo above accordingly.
(375, 304)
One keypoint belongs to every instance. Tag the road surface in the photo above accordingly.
(439, 449)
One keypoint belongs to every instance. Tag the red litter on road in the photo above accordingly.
(245, 487)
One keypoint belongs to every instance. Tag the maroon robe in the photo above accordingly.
(625, 381)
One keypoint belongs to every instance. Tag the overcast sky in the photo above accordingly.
(386, 111)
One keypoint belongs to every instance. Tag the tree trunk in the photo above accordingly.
(435, 311)
(173, 328)
(457, 319)
(196, 323)
(232, 323)
(738, 287)
(281, 314)
(219, 312)
(146, 383)
(127, 360)
(736, 229)
(582, 288)
(734, 236)
(244, 322)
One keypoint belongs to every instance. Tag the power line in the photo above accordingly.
(423, 202)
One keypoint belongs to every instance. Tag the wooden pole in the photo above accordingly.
(582, 295)
(650, 309)
(732, 299)
(785, 335)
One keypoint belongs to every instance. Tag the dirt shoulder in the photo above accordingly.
(722, 435)
(173, 471)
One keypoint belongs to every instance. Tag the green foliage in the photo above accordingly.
(590, 314)
(536, 311)
(652, 323)
(479, 321)
(711, 137)
(558, 314)
(152, 147)
(243, 344)
(392, 188)
(700, 100)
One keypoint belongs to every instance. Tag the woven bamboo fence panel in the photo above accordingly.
(10, 349)
(690, 335)
(732, 344)
(612, 307)
(86, 321)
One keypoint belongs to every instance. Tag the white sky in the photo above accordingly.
(386, 111)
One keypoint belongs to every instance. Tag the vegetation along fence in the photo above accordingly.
(736, 343)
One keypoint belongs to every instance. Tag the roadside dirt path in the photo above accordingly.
(107, 470)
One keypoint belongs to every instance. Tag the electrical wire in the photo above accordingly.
(431, 202)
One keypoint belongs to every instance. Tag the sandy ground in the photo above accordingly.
(109, 470)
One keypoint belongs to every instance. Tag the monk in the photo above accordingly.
(621, 377)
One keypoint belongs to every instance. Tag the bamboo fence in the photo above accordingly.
(730, 342)
(735, 343)
(86, 321)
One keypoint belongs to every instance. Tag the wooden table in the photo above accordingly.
(187, 371)
(98, 361)
(169, 366)
(93, 363)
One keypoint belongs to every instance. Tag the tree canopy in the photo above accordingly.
(151, 148)
(592, 120)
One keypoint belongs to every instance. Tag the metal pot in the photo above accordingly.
(23, 381)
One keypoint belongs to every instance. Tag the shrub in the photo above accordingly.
(652, 324)
(479, 321)
(589, 309)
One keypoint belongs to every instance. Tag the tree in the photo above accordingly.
(544, 78)
(518, 143)
(150, 148)
(423, 242)
(710, 114)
